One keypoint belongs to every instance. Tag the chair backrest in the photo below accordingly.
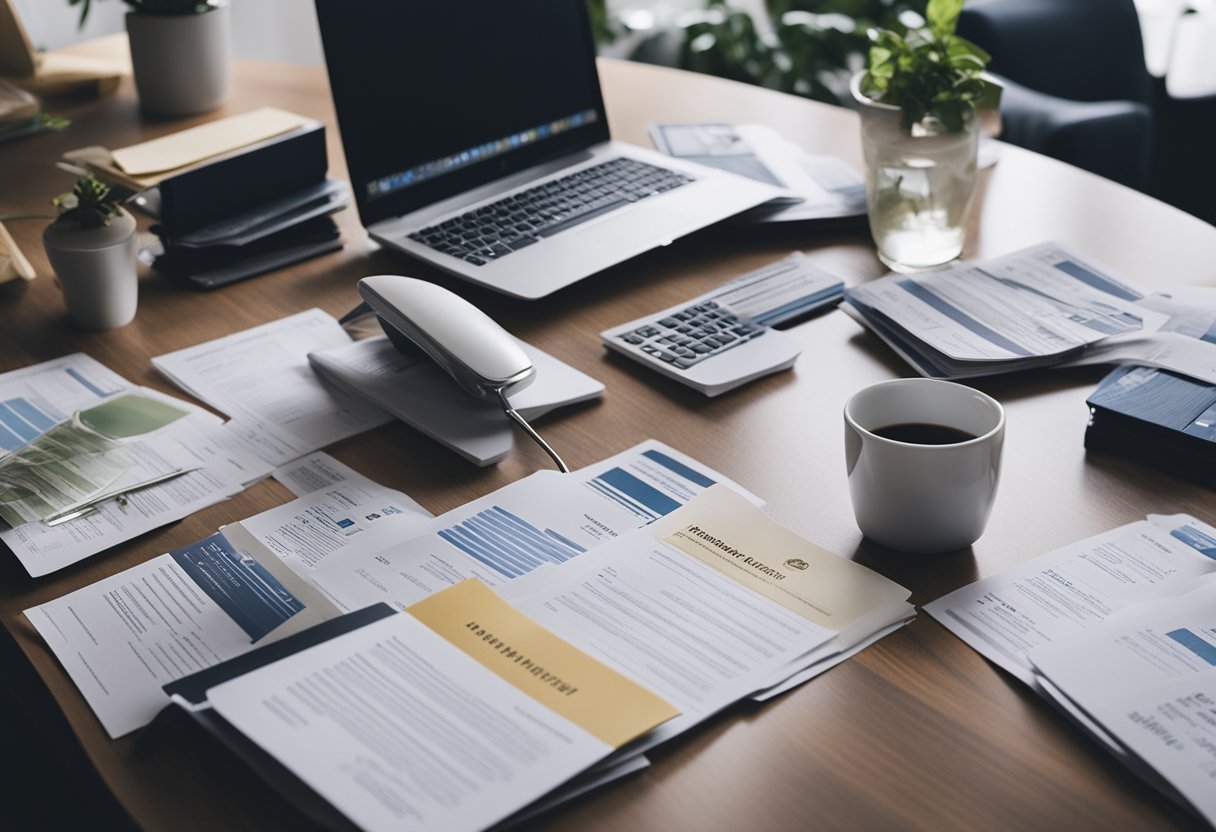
(1083, 50)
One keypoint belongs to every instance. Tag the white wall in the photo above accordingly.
(280, 30)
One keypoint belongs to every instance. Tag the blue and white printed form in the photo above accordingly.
(547, 518)
(123, 637)
(1042, 301)
(1148, 676)
(1006, 616)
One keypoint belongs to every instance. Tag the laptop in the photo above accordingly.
(476, 139)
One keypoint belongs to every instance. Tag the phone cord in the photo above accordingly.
(523, 423)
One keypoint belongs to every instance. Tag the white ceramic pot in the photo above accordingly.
(95, 270)
(180, 60)
(919, 184)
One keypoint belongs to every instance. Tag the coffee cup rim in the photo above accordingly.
(869, 434)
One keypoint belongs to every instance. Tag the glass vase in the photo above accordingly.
(919, 184)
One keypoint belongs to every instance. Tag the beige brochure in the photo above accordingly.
(730, 535)
(602, 702)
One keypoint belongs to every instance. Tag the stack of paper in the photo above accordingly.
(647, 547)
(346, 543)
(561, 622)
(1035, 308)
(1039, 307)
(1120, 631)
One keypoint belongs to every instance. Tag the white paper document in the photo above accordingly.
(1077, 587)
(1148, 677)
(1171, 351)
(545, 518)
(33, 399)
(124, 637)
(1034, 307)
(350, 513)
(313, 472)
(261, 380)
(709, 604)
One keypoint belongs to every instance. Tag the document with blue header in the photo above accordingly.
(1148, 677)
(1119, 632)
(546, 518)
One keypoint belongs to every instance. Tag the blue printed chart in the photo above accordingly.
(45, 395)
(21, 421)
(508, 544)
(642, 498)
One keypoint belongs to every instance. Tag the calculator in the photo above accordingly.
(725, 338)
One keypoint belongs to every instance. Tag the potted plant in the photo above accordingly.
(91, 246)
(919, 132)
(179, 53)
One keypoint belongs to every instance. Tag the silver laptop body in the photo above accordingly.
(541, 119)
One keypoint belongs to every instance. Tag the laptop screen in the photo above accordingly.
(435, 97)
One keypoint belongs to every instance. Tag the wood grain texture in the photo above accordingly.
(917, 732)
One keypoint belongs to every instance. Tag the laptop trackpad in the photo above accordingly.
(631, 228)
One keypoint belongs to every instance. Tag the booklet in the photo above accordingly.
(1042, 306)
(1158, 418)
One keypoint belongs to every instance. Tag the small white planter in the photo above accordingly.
(180, 61)
(919, 184)
(95, 270)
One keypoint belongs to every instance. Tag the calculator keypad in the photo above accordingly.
(686, 338)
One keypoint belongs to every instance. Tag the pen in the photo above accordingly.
(89, 506)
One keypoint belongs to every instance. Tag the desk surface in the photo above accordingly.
(916, 732)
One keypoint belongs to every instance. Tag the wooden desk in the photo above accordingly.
(916, 732)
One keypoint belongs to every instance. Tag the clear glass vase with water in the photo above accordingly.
(919, 184)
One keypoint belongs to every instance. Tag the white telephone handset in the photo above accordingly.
(473, 349)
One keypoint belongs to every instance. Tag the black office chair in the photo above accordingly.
(1076, 87)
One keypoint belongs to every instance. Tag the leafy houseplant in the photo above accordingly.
(179, 53)
(919, 130)
(929, 72)
(91, 246)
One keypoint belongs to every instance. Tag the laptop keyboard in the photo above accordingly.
(495, 230)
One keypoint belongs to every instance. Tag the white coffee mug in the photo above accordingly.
(923, 497)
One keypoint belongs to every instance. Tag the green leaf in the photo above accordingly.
(942, 15)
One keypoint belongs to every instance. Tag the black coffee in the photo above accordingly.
(923, 433)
